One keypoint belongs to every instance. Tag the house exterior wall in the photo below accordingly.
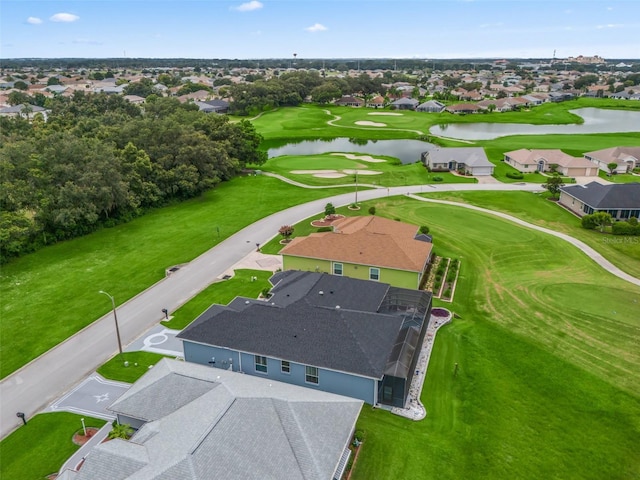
(134, 423)
(573, 204)
(306, 264)
(524, 168)
(603, 165)
(397, 278)
(331, 381)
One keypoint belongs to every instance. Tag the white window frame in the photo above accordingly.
(310, 373)
(335, 264)
(260, 361)
(371, 269)
(285, 368)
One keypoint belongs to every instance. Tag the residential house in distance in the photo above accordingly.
(621, 200)
(194, 422)
(463, 108)
(463, 159)
(432, 106)
(369, 248)
(377, 102)
(23, 110)
(405, 103)
(542, 160)
(357, 338)
(627, 158)
(349, 101)
(136, 99)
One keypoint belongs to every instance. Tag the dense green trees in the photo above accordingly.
(100, 160)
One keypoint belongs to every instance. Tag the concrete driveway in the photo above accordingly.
(91, 398)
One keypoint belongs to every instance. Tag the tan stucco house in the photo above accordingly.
(541, 160)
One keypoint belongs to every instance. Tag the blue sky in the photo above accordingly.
(319, 28)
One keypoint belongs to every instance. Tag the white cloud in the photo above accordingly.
(64, 17)
(316, 27)
(609, 8)
(34, 20)
(249, 6)
(610, 25)
(491, 25)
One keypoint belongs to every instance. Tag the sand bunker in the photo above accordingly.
(362, 172)
(390, 114)
(312, 172)
(367, 123)
(364, 158)
(329, 175)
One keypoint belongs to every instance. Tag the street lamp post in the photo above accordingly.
(115, 318)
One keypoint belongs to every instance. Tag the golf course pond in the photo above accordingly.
(596, 120)
(408, 151)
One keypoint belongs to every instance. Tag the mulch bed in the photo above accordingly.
(326, 221)
(80, 439)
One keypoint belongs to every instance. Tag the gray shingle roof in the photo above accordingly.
(471, 156)
(339, 329)
(244, 428)
(598, 196)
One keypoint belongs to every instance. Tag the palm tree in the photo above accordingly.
(120, 430)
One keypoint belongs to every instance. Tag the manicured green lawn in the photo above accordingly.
(139, 363)
(513, 411)
(393, 173)
(40, 447)
(240, 285)
(548, 385)
(310, 121)
(51, 294)
(624, 252)
(620, 177)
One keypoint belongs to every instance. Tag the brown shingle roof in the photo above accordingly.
(371, 241)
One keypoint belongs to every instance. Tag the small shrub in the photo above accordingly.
(424, 229)
(329, 209)
(325, 229)
(447, 293)
(265, 292)
(372, 210)
(588, 222)
(625, 228)
(633, 221)
(515, 175)
(438, 178)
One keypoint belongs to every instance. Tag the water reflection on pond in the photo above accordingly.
(408, 151)
(596, 120)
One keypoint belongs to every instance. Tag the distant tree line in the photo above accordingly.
(99, 160)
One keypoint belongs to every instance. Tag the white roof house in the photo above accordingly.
(198, 422)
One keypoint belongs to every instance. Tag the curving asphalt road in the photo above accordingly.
(57, 371)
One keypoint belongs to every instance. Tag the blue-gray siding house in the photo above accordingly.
(341, 335)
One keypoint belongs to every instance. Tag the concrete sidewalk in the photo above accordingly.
(256, 261)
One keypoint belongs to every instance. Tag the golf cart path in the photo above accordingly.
(591, 253)
(57, 371)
